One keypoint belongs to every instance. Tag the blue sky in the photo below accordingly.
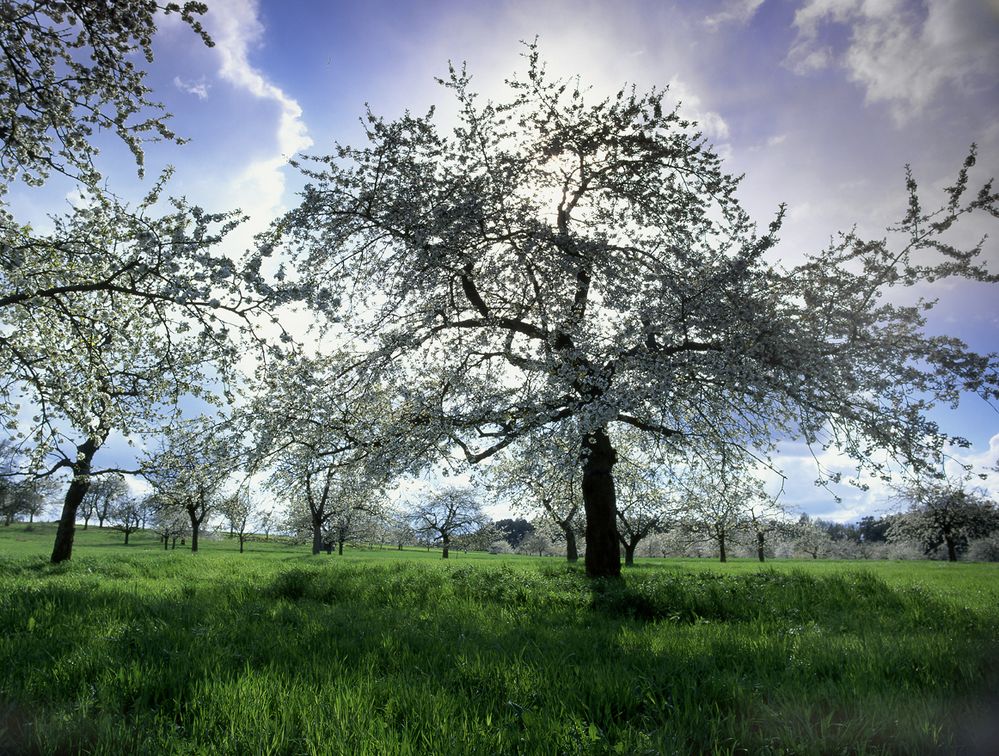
(820, 103)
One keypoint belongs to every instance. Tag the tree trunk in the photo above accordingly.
(126, 537)
(166, 543)
(195, 528)
(571, 552)
(446, 542)
(340, 548)
(317, 537)
(759, 547)
(603, 552)
(721, 547)
(241, 539)
(63, 548)
(951, 548)
(629, 554)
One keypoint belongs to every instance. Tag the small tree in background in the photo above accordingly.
(266, 522)
(764, 516)
(398, 527)
(169, 521)
(237, 509)
(325, 435)
(536, 544)
(542, 473)
(192, 467)
(446, 515)
(103, 495)
(872, 529)
(126, 515)
(717, 491)
(649, 494)
(942, 513)
(480, 539)
(353, 514)
(37, 495)
(811, 538)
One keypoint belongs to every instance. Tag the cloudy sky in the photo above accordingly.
(820, 103)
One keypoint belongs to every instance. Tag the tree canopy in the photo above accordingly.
(67, 71)
(556, 257)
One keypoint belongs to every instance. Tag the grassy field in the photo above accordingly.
(137, 650)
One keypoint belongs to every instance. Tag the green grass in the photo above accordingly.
(137, 650)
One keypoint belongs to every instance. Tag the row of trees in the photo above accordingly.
(683, 507)
(558, 277)
(941, 520)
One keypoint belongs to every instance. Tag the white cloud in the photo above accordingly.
(982, 462)
(199, 88)
(236, 29)
(710, 122)
(901, 53)
(840, 502)
(733, 12)
(845, 502)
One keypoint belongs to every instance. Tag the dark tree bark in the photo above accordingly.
(951, 547)
(63, 548)
(317, 506)
(759, 547)
(603, 552)
(317, 536)
(571, 552)
(194, 507)
(721, 546)
(629, 554)
(446, 543)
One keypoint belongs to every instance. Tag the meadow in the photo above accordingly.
(140, 650)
